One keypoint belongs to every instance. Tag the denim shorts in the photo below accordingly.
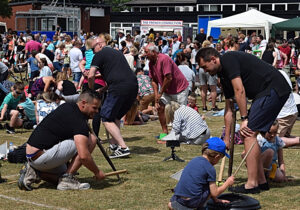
(116, 106)
(264, 111)
(54, 159)
(77, 76)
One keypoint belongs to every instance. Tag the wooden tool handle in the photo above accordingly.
(116, 172)
(222, 169)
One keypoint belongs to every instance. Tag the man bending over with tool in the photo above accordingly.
(243, 75)
(62, 136)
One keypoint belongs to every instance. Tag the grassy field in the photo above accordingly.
(148, 178)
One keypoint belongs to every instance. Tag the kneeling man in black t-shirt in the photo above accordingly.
(62, 136)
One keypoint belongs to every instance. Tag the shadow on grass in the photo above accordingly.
(135, 138)
(143, 150)
(96, 185)
(291, 183)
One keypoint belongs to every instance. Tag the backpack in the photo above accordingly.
(18, 155)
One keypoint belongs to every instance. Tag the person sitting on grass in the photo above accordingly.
(41, 85)
(187, 124)
(198, 180)
(27, 110)
(192, 101)
(44, 68)
(272, 153)
(9, 106)
(61, 144)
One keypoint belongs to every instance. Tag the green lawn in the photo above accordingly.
(147, 179)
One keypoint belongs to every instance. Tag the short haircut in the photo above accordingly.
(152, 48)
(44, 61)
(19, 86)
(192, 96)
(206, 54)
(89, 95)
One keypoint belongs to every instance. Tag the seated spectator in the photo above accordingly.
(27, 110)
(145, 93)
(41, 85)
(272, 154)
(9, 106)
(46, 104)
(198, 180)
(133, 116)
(66, 88)
(192, 101)
(44, 69)
(187, 124)
(3, 72)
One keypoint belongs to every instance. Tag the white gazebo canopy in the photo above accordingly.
(248, 19)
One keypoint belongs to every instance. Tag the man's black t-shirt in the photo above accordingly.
(115, 70)
(63, 123)
(258, 77)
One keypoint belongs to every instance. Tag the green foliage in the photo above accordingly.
(5, 9)
(117, 5)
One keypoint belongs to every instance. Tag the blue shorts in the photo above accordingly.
(66, 65)
(264, 111)
(77, 76)
(57, 66)
(116, 106)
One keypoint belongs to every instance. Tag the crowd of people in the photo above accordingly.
(154, 76)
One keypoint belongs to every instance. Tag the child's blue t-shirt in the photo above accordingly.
(195, 178)
(33, 64)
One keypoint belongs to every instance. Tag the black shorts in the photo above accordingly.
(7, 115)
(264, 111)
(116, 106)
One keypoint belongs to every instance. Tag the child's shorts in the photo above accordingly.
(192, 203)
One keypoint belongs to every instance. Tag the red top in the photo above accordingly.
(163, 66)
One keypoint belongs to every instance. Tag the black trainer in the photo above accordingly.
(204, 109)
(242, 189)
(120, 152)
(9, 129)
(264, 187)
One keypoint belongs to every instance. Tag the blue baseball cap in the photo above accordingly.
(217, 145)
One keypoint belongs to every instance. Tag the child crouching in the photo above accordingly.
(198, 180)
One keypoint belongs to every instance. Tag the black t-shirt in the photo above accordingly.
(258, 77)
(68, 88)
(268, 57)
(115, 70)
(63, 123)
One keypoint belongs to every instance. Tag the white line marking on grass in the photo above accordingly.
(30, 202)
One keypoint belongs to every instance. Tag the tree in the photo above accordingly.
(117, 5)
(5, 9)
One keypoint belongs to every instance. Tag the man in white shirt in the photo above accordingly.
(176, 44)
(75, 58)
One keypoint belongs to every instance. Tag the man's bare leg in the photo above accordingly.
(162, 117)
(252, 161)
(114, 130)
(213, 94)
(203, 89)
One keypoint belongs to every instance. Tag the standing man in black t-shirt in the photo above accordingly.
(243, 75)
(122, 90)
(62, 136)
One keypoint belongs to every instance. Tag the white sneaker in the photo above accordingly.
(69, 182)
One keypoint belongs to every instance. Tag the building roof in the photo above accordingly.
(79, 3)
(244, 1)
(159, 2)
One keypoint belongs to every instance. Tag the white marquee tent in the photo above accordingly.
(248, 19)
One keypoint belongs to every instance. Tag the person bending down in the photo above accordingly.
(187, 124)
(61, 137)
(198, 179)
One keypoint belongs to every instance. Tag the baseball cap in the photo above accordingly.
(216, 144)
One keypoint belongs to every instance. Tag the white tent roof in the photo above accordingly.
(248, 19)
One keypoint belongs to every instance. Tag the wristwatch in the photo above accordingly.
(244, 117)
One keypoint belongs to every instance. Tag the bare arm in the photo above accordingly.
(275, 59)
(59, 85)
(48, 81)
(216, 191)
(281, 161)
(84, 154)
(91, 77)
(82, 65)
(4, 109)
